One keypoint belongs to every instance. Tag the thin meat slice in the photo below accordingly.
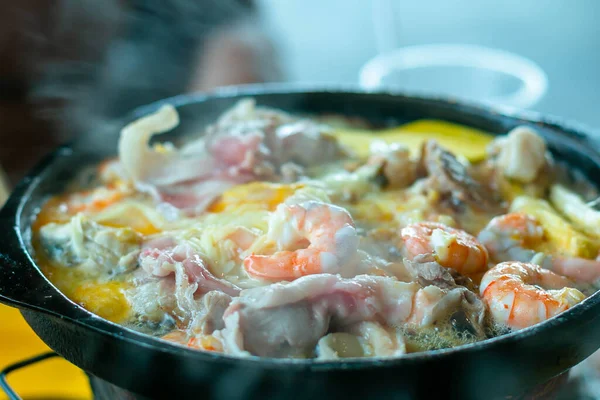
(161, 262)
(287, 320)
(193, 177)
(164, 166)
(246, 144)
(174, 280)
(210, 317)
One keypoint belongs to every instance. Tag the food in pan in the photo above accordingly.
(286, 236)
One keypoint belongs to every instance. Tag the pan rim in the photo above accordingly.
(18, 200)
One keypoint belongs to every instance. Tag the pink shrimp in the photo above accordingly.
(510, 237)
(521, 294)
(314, 238)
(452, 248)
(195, 341)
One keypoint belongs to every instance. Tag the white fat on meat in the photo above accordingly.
(289, 319)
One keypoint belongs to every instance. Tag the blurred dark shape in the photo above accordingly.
(71, 67)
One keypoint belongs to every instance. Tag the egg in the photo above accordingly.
(104, 299)
(262, 195)
(461, 140)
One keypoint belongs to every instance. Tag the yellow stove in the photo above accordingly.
(51, 379)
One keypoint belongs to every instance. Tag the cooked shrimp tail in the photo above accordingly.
(507, 237)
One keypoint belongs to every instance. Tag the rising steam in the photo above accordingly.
(111, 56)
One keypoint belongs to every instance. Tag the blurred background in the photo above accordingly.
(331, 41)
(70, 66)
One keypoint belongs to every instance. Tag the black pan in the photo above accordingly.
(505, 366)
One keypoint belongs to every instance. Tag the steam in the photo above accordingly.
(113, 57)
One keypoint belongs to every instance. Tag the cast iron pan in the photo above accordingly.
(505, 366)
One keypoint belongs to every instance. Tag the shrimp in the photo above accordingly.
(313, 237)
(177, 336)
(522, 294)
(452, 248)
(511, 237)
(199, 341)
